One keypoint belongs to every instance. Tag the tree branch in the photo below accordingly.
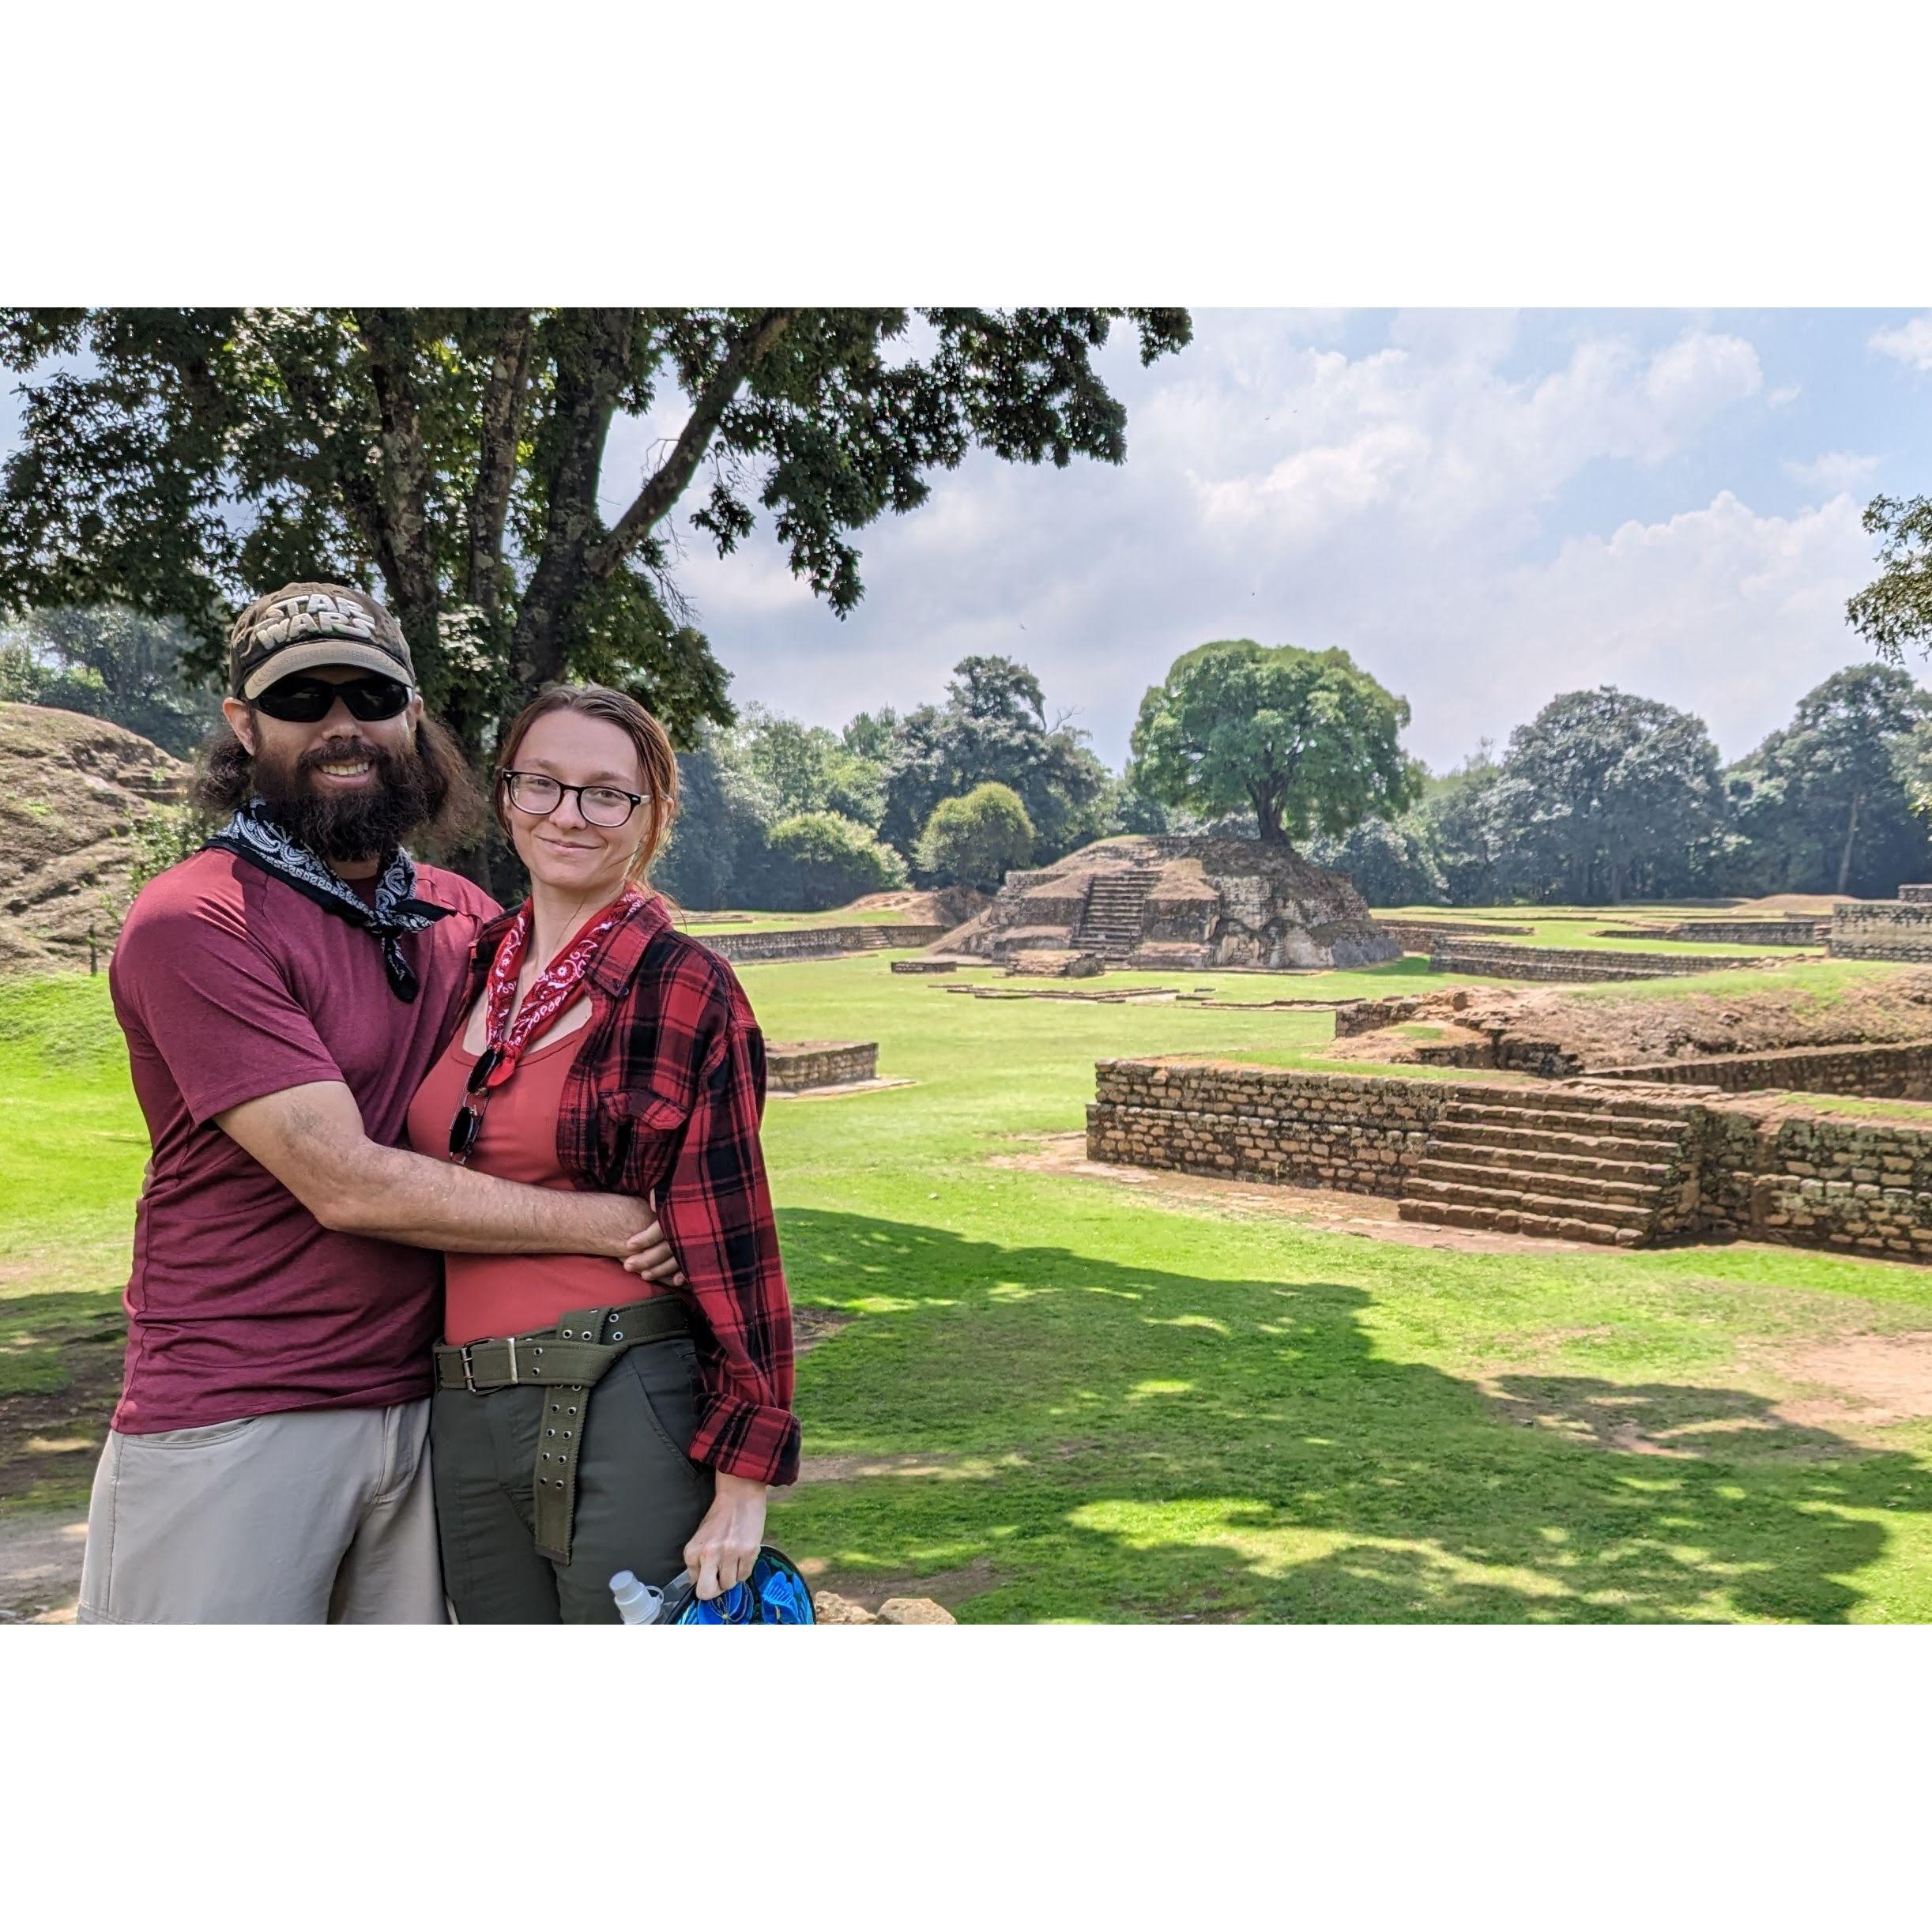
(667, 483)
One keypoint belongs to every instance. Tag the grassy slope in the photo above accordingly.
(1091, 1404)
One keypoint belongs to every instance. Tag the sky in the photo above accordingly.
(1483, 508)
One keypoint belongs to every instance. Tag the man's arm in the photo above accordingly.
(311, 1139)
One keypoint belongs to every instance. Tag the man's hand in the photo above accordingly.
(726, 1545)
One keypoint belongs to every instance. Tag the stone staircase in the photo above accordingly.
(1111, 920)
(1579, 1164)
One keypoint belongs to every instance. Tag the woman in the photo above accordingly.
(586, 1420)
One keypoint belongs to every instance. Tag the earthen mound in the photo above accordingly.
(72, 789)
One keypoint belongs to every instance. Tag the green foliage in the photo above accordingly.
(178, 460)
(1606, 796)
(1303, 739)
(869, 735)
(810, 769)
(815, 860)
(110, 662)
(1826, 803)
(976, 839)
(715, 856)
(992, 729)
(1895, 609)
(1459, 830)
(22, 675)
(163, 836)
(1391, 862)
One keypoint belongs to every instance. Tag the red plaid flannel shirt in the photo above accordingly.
(666, 1093)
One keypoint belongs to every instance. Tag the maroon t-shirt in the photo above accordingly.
(230, 985)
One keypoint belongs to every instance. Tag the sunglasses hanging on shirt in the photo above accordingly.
(469, 1122)
(309, 700)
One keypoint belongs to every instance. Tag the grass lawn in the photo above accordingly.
(1054, 1397)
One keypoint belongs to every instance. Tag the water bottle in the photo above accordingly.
(636, 1602)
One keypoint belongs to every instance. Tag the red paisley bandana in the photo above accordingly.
(550, 991)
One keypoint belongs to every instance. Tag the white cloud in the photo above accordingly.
(1910, 342)
(1837, 470)
(1392, 500)
(1722, 610)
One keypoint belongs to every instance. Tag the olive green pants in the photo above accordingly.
(639, 1496)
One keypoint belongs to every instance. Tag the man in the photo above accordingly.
(283, 992)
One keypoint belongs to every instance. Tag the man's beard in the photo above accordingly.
(343, 827)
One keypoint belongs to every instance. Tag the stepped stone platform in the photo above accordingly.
(815, 941)
(796, 1066)
(1900, 929)
(1167, 905)
(1617, 1164)
(1568, 1162)
(1580, 964)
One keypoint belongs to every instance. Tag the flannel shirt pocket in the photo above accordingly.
(642, 1130)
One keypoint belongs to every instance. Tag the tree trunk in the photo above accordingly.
(592, 358)
(1844, 857)
(403, 546)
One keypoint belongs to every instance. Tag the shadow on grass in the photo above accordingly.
(1128, 1443)
(60, 1376)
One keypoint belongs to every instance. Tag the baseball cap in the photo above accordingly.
(303, 626)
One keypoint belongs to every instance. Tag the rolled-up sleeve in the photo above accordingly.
(715, 1208)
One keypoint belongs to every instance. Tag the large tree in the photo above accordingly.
(179, 460)
(1605, 796)
(992, 729)
(1305, 739)
(1825, 804)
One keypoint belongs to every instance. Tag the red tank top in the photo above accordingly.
(493, 1295)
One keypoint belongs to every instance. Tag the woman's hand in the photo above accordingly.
(726, 1543)
(649, 1254)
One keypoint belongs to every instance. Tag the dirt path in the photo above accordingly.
(40, 1552)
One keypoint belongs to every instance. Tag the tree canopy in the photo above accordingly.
(992, 729)
(815, 860)
(976, 840)
(1605, 796)
(178, 460)
(111, 663)
(1303, 739)
(1895, 609)
(1825, 804)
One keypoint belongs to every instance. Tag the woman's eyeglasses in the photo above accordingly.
(538, 794)
(309, 700)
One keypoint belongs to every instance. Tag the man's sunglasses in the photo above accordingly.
(309, 700)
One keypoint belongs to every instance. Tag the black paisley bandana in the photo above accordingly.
(253, 835)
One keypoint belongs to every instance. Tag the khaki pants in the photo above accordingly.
(318, 1516)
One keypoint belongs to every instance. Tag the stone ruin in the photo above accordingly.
(1900, 929)
(1160, 904)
